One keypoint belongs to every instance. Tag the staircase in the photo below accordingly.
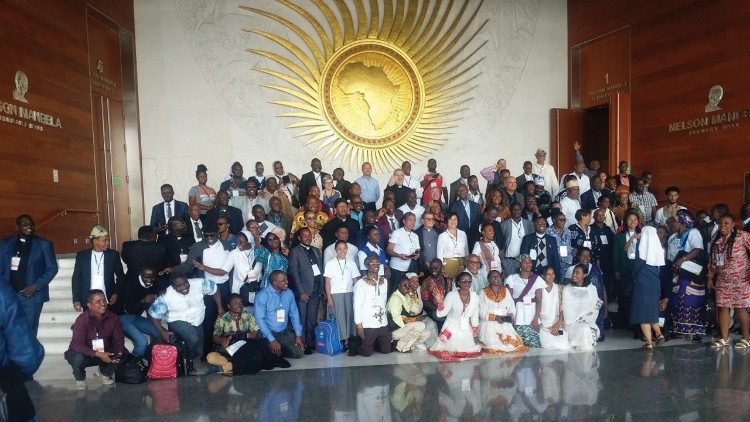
(58, 314)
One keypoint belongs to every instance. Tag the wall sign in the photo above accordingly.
(21, 115)
(713, 123)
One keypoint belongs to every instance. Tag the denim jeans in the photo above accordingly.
(191, 335)
(136, 328)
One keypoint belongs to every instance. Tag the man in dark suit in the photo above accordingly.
(513, 229)
(590, 198)
(314, 177)
(341, 219)
(305, 275)
(465, 172)
(527, 175)
(623, 177)
(194, 223)
(541, 247)
(98, 267)
(223, 209)
(340, 184)
(163, 211)
(177, 243)
(389, 221)
(144, 252)
(468, 214)
(28, 265)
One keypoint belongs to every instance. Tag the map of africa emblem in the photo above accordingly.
(380, 89)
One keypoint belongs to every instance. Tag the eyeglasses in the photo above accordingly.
(473, 262)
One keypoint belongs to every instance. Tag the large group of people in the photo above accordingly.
(242, 275)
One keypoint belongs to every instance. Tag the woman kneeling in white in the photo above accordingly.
(580, 308)
(461, 326)
(496, 309)
(551, 334)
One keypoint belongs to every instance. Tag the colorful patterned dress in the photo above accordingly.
(731, 273)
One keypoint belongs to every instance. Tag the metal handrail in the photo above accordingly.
(63, 213)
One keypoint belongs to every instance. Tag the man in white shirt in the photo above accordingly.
(370, 297)
(584, 183)
(183, 307)
(287, 183)
(546, 171)
(570, 203)
(403, 247)
(369, 186)
(669, 210)
(258, 176)
(249, 200)
(259, 215)
(413, 207)
(194, 224)
(410, 181)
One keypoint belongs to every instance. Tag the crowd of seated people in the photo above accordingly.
(534, 261)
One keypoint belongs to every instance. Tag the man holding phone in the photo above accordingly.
(97, 340)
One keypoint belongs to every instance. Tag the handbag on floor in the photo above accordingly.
(327, 337)
(131, 371)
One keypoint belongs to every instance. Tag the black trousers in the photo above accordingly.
(308, 315)
(20, 406)
(79, 362)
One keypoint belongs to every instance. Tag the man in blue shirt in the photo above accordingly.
(20, 355)
(370, 187)
(275, 307)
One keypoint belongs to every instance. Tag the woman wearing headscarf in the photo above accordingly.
(644, 308)
(623, 257)
(729, 273)
(461, 311)
(526, 290)
(581, 305)
(688, 299)
(496, 309)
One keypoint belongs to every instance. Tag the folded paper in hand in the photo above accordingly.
(692, 267)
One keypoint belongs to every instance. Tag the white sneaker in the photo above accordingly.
(420, 347)
(103, 378)
(81, 385)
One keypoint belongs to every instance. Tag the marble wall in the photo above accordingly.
(202, 102)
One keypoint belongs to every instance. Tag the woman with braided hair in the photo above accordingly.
(728, 273)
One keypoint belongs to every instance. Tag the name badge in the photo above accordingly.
(280, 315)
(97, 345)
(527, 301)
(466, 384)
(251, 276)
(631, 255)
(532, 254)
(719, 259)
(235, 193)
(661, 321)
(604, 239)
(494, 265)
(563, 251)
(457, 253)
(316, 270)
(587, 244)
(15, 262)
(433, 184)
(183, 257)
(251, 297)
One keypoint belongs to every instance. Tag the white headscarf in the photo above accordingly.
(649, 248)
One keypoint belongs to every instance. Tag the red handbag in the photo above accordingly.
(163, 362)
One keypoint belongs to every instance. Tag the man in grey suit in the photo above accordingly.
(527, 175)
(305, 274)
(514, 229)
(465, 172)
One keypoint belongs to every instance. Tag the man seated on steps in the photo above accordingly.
(137, 294)
(183, 308)
(97, 340)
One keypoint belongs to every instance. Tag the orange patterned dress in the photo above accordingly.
(731, 271)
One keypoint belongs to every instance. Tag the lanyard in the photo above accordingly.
(98, 263)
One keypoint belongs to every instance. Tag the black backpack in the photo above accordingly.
(131, 371)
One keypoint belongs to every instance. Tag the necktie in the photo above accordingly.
(393, 223)
(169, 210)
(198, 231)
(541, 259)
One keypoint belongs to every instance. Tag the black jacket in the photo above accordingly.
(81, 281)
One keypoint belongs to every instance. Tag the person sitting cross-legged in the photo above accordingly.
(405, 319)
(97, 340)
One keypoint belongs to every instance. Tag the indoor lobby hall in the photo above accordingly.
(620, 381)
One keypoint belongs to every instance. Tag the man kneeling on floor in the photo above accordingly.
(183, 308)
(275, 309)
(97, 340)
(405, 319)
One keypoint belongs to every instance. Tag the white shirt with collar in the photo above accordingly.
(192, 222)
(172, 204)
(97, 272)
(584, 183)
(329, 253)
(517, 233)
(413, 183)
(318, 180)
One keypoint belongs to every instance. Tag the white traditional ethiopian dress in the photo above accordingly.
(456, 340)
(496, 335)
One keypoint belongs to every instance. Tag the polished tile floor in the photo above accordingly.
(677, 381)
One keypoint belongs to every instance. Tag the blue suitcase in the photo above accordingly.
(327, 338)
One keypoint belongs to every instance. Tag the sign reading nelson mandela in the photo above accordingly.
(722, 120)
(16, 112)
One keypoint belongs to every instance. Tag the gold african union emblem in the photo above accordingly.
(384, 90)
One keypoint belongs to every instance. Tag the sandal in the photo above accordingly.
(661, 339)
(722, 343)
(648, 346)
(742, 344)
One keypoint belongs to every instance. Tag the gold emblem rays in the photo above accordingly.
(373, 89)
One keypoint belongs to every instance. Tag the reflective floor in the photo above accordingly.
(674, 382)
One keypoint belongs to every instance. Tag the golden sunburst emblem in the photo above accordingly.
(388, 89)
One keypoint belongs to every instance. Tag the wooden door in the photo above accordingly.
(619, 130)
(566, 127)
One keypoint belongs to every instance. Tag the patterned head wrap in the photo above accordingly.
(685, 218)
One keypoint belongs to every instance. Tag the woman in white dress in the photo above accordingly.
(487, 251)
(461, 309)
(452, 247)
(580, 305)
(551, 323)
(496, 309)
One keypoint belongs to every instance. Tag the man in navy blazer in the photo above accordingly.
(160, 213)
(28, 265)
(549, 256)
(97, 268)
(466, 222)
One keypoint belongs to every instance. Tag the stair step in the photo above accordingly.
(58, 306)
(61, 294)
(51, 330)
(58, 317)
